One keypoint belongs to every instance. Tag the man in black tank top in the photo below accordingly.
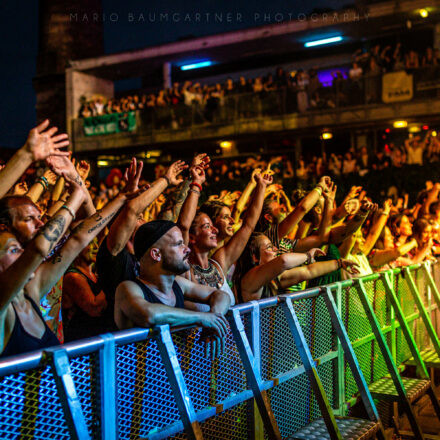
(158, 295)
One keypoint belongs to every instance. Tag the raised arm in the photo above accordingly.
(189, 208)
(305, 273)
(228, 254)
(263, 274)
(241, 202)
(377, 226)
(306, 204)
(385, 256)
(40, 144)
(41, 185)
(15, 277)
(124, 225)
(50, 272)
(340, 233)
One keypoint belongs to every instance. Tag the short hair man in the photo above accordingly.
(157, 295)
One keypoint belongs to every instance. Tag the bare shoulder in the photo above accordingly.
(128, 288)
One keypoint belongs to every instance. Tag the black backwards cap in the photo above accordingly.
(148, 234)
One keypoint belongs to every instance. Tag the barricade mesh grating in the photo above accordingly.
(145, 399)
(278, 351)
(358, 327)
(209, 382)
(30, 407)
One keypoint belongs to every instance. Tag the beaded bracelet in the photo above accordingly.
(167, 179)
(43, 183)
(191, 190)
(196, 185)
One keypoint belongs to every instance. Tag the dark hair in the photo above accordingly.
(434, 207)
(246, 262)
(419, 226)
(212, 209)
(394, 224)
(7, 203)
(192, 228)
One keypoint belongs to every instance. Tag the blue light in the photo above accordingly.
(196, 65)
(323, 41)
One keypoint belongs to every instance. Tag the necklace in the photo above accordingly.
(208, 277)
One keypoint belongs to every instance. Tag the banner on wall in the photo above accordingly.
(397, 86)
(108, 124)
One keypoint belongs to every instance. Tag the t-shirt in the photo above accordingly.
(112, 270)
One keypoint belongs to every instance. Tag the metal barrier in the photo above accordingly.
(157, 384)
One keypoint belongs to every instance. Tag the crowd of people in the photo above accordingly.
(75, 264)
(278, 93)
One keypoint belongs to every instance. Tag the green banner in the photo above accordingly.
(108, 124)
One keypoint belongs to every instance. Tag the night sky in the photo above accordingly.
(128, 24)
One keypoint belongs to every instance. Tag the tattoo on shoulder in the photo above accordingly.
(54, 229)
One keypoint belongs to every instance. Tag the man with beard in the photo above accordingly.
(158, 295)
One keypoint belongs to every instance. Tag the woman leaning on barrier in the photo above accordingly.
(25, 278)
(261, 272)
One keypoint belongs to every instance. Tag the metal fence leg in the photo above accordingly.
(350, 355)
(169, 358)
(310, 368)
(107, 388)
(70, 403)
(251, 366)
(395, 376)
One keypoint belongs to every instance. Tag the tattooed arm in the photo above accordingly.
(171, 209)
(14, 278)
(50, 272)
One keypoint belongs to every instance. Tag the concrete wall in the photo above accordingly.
(80, 84)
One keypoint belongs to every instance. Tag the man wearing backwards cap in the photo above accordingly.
(157, 295)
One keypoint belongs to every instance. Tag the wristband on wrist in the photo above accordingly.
(339, 260)
(197, 185)
(43, 183)
(44, 180)
(69, 211)
(319, 189)
(167, 179)
(195, 191)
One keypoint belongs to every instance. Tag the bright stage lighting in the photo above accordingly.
(323, 41)
(196, 65)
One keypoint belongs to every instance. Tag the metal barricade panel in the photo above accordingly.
(209, 382)
(145, 402)
(30, 407)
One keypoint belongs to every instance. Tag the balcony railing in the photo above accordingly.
(283, 103)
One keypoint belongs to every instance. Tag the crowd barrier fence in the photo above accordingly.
(289, 361)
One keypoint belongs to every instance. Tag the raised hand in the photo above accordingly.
(330, 193)
(367, 206)
(351, 206)
(173, 172)
(313, 253)
(254, 173)
(198, 175)
(62, 166)
(83, 169)
(231, 197)
(41, 144)
(201, 160)
(132, 175)
(50, 176)
(263, 179)
(20, 189)
(387, 206)
(325, 183)
(349, 266)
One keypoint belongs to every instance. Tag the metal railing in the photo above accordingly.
(156, 384)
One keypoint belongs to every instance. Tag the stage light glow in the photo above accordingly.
(414, 129)
(433, 133)
(400, 124)
(323, 41)
(326, 135)
(103, 163)
(423, 13)
(196, 65)
(225, 145)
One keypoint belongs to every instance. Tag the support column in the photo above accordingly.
(167, 80)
